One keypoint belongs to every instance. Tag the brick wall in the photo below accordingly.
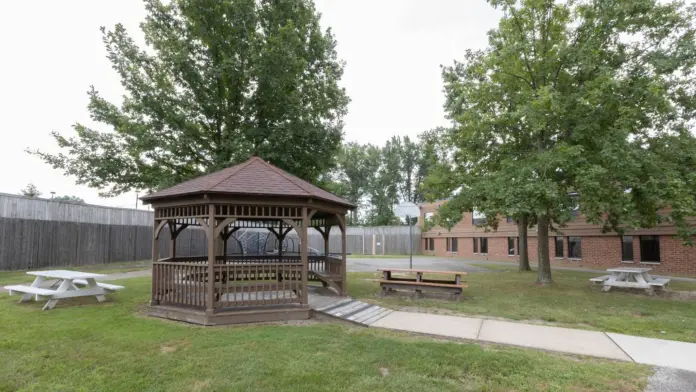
(596, 252)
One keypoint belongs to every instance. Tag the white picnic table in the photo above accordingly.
(628, 277)
(69, 286)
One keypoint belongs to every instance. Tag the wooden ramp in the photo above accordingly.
(345, 308)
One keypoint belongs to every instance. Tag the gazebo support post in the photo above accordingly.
(172, 239)
(210, 234)
(342, 226)
(325, 234)
(224, 243)
(155, 257)
(304, 250)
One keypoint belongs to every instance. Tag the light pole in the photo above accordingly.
(52, 193)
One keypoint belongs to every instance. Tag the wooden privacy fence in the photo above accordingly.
(36, 233)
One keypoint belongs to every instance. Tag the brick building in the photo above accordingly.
(580, 244)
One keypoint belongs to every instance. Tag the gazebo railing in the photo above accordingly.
(179, 283)
(257, 284)
(238, 281)
(331, 265)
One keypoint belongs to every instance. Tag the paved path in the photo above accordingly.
(325, 302)
(667, 353)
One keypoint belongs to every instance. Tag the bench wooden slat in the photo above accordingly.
(107, 286)
(422, 271)
(30, 290)
(600, 279)
(452, 285)
(659, 282)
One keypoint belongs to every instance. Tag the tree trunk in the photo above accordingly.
(544, 269)
(522, 243)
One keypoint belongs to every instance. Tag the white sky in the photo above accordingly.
(52, 53)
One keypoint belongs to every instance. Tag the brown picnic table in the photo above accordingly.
(419, 283)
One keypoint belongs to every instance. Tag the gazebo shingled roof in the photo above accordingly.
(253, 177)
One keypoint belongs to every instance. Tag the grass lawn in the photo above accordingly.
(380, 256)
(571, 302)
(15, 277)
(85, 346)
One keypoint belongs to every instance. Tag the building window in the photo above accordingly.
(511, 246)
(574, 248)
(559, 247)
(427, 244)
(484, 246)
(510, 220)
(475, 245)
(650, 248)
(432, 243)
(452, 245)
(478, 218)
(627, 248)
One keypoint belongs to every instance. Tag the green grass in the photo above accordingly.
(86, 346)
(15, 277)
(379, 256)
(569, 302)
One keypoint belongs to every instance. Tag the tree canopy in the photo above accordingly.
(581, 103)
(31, 190)
(218, 82)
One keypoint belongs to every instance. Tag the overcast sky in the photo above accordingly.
(52, 53)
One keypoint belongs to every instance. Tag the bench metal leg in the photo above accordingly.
(383, 292)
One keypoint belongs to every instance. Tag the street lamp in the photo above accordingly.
(52, 193)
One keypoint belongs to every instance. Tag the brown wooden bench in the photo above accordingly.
(420, 284)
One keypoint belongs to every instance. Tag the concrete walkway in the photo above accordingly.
(678, 355)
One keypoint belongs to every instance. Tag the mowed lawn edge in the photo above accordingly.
(86, 346)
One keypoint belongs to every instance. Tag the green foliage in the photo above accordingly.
(376, 179)
(69, 199)
(593, 98)
(31, 191)
(219, 81)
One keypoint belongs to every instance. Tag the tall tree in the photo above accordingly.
(579, 98)
(353, 171)
(433, 156)
(31, 190)
(221, 80)
(69, 199)
(410, 158)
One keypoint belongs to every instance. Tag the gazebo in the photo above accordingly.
(217, 288)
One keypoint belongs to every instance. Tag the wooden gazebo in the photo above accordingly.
(217, 288)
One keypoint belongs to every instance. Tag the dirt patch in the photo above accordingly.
(171, 347)
(200, 385)
(678, 295)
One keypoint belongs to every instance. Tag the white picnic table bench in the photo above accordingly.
(67, 282)
(637, 278)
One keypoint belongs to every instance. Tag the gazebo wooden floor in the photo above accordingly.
(252, 314)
